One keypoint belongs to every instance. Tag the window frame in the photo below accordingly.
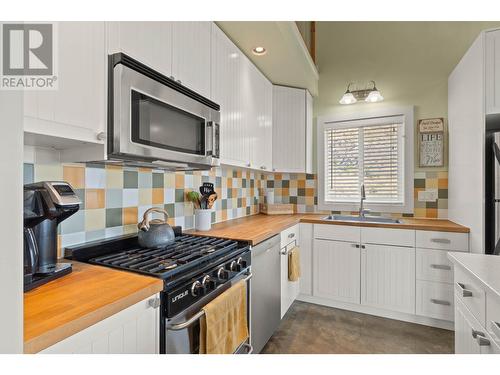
(325, 122)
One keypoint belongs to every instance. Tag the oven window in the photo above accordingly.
(158, 124)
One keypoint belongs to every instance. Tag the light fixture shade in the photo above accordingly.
(374, 96)
(348, 98)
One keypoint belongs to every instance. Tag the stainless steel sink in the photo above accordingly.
(366, 219)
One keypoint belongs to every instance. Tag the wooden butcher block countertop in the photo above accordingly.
(258, 228)
(63, 307)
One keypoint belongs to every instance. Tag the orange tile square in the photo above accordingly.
(309, 192)
(419, 212)
(239, 173)
(235, 193)
(74, 175)
(171, 221)
(301, 184)
(229, 182)
(278, 176)
(431, 183)
(243, 202)
(158, 196)
(94, 198)
(285, 192)
(442, 183)
(309, 201)
(179, 181)
(278, 192)
(130, 215)
(431, 213)
(224, 215)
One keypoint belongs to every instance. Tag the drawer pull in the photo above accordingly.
(483, 341)
(440, 240)
(291, 235)
(440, 302)
(465, 292)
(495, 327)
(441, 267)
(476, 333)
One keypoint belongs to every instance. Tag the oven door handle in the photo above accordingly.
(198, 315)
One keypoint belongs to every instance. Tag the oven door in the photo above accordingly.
(152, 121)
(183, 330)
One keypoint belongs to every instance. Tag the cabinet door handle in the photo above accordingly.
(291, 235)
(441, 267)
(154, 303)
(465, 292)
(440, 302)
(355, 245)
(476, 333)
(440, 240)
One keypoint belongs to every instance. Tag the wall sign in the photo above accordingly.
(431, 142)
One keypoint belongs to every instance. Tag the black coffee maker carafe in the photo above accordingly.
(46, 205)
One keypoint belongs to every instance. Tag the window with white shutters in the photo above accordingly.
(368, 152)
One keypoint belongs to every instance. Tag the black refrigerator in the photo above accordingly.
(492, 185)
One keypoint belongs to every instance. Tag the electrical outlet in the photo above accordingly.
(429, 195)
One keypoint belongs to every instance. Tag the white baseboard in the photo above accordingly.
(444, 324)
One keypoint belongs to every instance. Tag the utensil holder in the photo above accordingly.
(202, 219)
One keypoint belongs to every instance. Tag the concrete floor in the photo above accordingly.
(314, 329)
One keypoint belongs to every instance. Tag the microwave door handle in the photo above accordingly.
(209, 138)
(216, 140)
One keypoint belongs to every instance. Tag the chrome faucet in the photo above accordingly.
(362, 211)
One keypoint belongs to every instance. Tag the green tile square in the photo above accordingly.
(224, 204)
(239, 202)
(252, 183)
(218, 182)
(179, 195)
(285, 183)
(235, 174)
(419, 183)
(443, 193)
(113, 217)
(170, 208)
(293, 200)
(158, 180)
(248, 210)
(270, 184)
(301, 192)
(81, 194)
(244, 183)
(130, 180)
(431, 204)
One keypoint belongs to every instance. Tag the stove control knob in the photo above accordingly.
(241, 263)
(222, 274)
(207, 283)
(235, 267)
(196, 289)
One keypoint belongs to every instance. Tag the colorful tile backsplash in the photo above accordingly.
(114, 198)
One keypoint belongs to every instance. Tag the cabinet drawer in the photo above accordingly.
(337, 232)
(290, 235)
(388, 236)
(434, 300)
(471, 294)
(442, 240)
(493, 317)
(433, 265)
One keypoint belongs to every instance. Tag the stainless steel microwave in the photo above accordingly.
(155, 121)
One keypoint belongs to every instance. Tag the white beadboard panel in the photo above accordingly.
(336, 271)
(476, 302)
(309, 134)
(434, 300)
(433, 265)
(492, 60)
(442, 240)
(227, 87)
(289, 129)
(148, 42)
(134, 330)
(337, 232)
(388, 236)
(306, 249)
(191, 50)
(388, 277)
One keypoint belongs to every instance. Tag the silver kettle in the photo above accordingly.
(156, 232)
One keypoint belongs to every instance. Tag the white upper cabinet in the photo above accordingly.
(76, 110)
(227, 91)
(492, 72)
(245, 97)
(292, 130)
(191, 55)
(148, 42)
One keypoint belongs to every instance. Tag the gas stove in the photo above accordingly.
(194, 270)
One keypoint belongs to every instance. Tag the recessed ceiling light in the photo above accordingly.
(259, 51)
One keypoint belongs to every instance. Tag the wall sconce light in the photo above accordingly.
(370, 95)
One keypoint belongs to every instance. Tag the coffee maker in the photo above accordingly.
(46, 205)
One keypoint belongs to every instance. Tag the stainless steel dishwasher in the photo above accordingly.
(265, 291)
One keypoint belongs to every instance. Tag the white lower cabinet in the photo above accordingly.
(306, 248)
(434, 300)
(388, 277)
(336, 270)
(134, 330)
